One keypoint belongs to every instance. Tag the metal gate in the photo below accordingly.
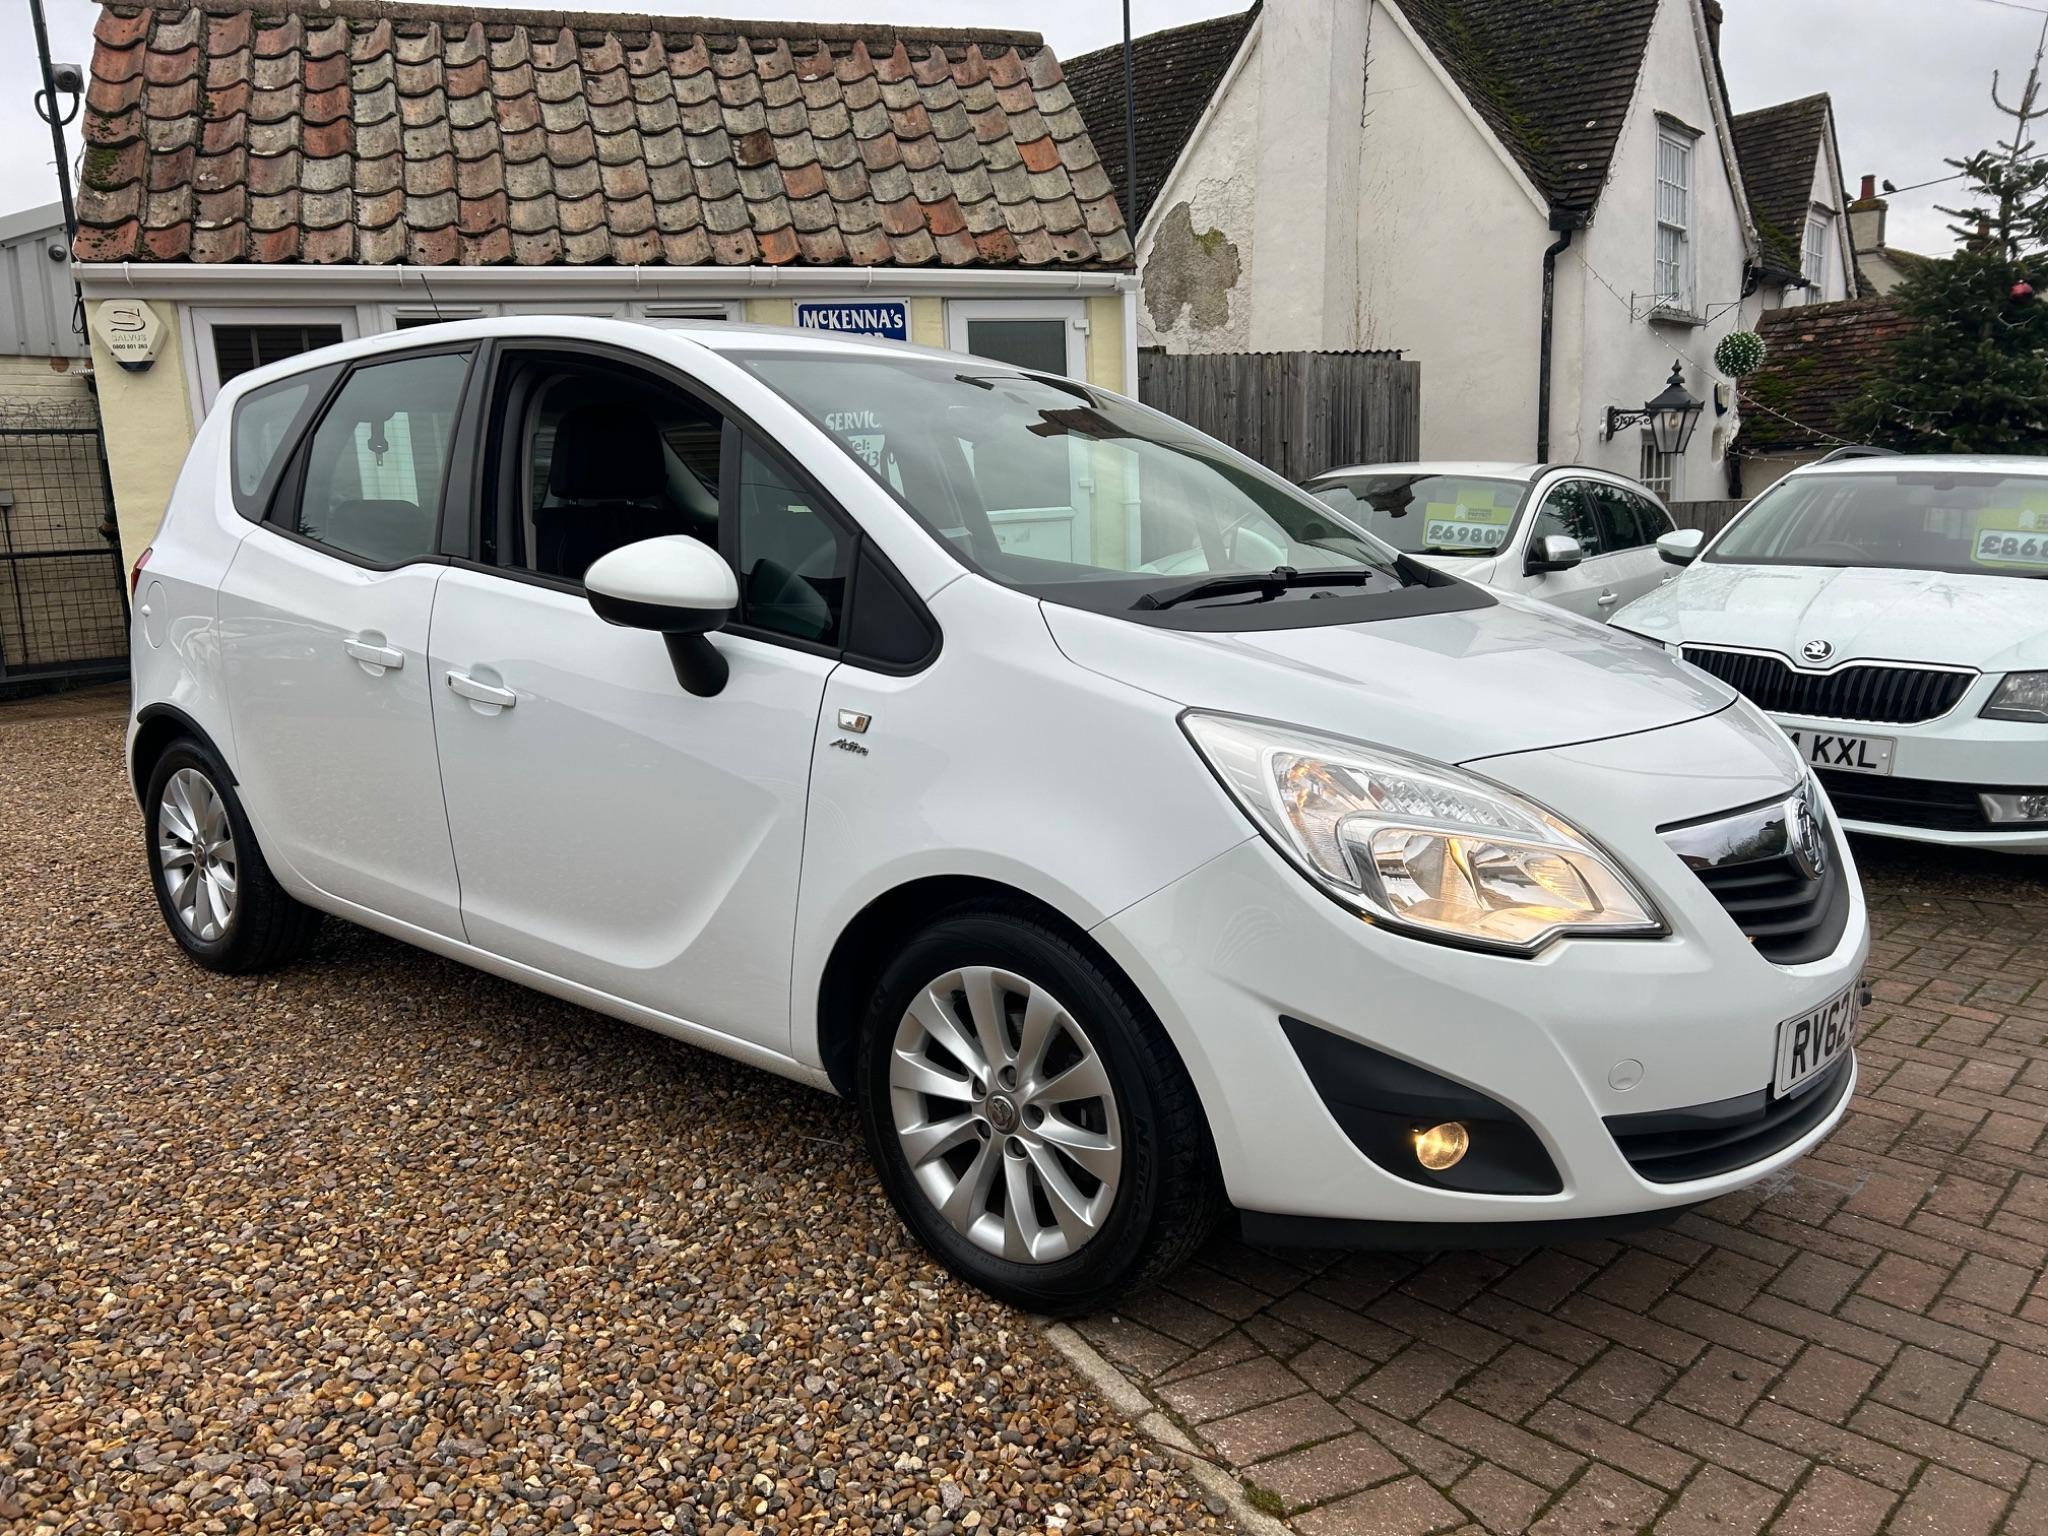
(63, 597)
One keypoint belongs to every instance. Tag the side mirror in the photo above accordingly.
(677, 586)
(1554, 552)
(1681, 546)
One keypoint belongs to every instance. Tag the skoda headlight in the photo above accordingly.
(2020, 696)
(1420, 845)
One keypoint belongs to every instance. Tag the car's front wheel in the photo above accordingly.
(219, 899)
(1031, 1122)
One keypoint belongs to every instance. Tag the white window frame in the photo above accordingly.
(1677, 220)
(669, 313)
(1073, 311)
(202, 366)
(1815, 250)
(1660, 473)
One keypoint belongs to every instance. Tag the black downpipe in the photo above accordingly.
(1550, 254)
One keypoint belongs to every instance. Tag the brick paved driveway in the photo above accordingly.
(1860, 1345)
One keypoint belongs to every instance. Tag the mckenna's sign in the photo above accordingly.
(130, 330)
(886, 318)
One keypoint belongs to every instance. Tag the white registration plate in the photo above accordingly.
(1813, 1042)
(1836, 749)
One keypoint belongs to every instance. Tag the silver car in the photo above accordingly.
(1582, 538)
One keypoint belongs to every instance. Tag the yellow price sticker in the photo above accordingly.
(2012, 537)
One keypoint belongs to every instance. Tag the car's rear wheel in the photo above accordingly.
(1030, 1120)
(218, 897)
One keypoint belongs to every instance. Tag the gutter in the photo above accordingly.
(1564, 222)
(342, 283)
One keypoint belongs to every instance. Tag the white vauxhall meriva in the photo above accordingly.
(824, 703)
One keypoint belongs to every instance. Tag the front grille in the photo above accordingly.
(1672, 1146)
(1906, 802)
(1791, 906)
(1885, 695)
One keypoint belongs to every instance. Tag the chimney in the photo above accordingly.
(1866, 219)
(1712, 10)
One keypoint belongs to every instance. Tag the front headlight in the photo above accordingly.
(2021, 696)
(1417, 844)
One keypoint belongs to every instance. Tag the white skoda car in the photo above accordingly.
(824, 704)
(1892, 615)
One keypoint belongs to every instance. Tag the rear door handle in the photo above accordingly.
(482, 693)
(374, 655)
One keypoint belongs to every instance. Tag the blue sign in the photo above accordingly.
(887, 318)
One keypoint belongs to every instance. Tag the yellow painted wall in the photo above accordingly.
(1106, 342)
(147, 418)
(771, 312)
(928, 321)
(30, 384)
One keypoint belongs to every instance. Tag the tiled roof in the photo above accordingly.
(1552, 78)
(1817, 358)
(1176, 71)
(1776, 147)
(375, 131)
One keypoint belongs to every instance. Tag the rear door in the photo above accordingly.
(324, 617)
(1630, 524)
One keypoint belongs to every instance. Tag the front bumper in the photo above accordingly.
(1587, 1030)
(1938, 768)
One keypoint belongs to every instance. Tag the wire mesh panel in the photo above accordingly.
(63, 610)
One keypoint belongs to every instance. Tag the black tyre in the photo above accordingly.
(219, 899)
(1030, 1120)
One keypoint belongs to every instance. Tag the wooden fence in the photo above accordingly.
(1298, 413)
(1711, 516)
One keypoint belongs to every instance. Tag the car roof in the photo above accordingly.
(1893, 464)
(1505, 469)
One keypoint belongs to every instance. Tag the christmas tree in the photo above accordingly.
(1971, 375)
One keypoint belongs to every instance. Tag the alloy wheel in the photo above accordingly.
(195, 846)
(1005, 1112)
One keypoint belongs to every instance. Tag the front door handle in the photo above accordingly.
(374, 655)
(1607, 599)
(482, 693)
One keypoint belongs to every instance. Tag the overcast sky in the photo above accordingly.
(1909, 77)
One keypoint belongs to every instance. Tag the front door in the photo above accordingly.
(324, 615)
(609, 827)
(1565, 509)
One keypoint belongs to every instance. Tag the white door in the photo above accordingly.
(1046, 336)
(1629, 524)
(609, 827)
(324, 617)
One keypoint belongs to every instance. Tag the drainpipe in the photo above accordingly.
(1564, 223)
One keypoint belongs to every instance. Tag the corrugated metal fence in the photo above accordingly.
(1298, 413)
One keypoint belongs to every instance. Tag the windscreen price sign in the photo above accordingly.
(888, 319)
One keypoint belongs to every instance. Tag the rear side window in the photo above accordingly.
(375, 466)
(262, 432)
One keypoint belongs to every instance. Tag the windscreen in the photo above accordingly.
(1463, 515)
(1049, 486)
(1984, 523)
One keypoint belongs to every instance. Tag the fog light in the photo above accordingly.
(1442, 1146)
(2027, 805)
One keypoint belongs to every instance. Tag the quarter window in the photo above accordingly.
(1674, 219)
(262, 421)
(376, 463)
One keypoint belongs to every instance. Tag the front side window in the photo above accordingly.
(1674, 219)
(375, 465)
(1051, 487)
(1566, 511)
(1814, 262)
(1985, 524)
(1615, 510)
(1462, 515)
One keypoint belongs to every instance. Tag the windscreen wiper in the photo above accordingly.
(1266, 584)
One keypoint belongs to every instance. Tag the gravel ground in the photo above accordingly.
(380, 1243)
